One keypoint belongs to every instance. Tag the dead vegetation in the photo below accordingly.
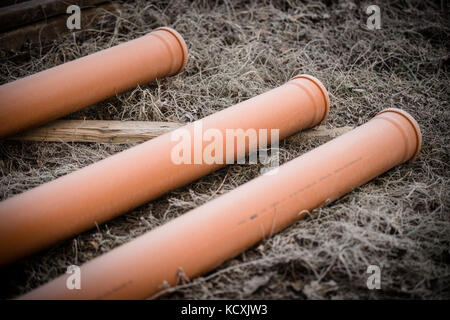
(399, 221)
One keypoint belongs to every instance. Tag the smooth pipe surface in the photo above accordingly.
(203, 238)
(53, 93)
(78, 201)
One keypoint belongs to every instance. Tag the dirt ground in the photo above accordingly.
(399, 221)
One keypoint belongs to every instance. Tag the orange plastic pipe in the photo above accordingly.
(203, 238)
(69, 87)
(78, 201)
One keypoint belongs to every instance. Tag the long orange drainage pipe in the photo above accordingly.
(80, 200)
(66, 88)
(203, 238)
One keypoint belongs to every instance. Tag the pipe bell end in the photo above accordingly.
(182, 43)
(323, 90)
(413, 123)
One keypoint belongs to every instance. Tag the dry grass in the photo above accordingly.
(399, 221)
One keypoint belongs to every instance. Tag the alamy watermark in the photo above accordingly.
(198, 146)
(74, 20)
(73, 281)
(373, 21)
(374, 280)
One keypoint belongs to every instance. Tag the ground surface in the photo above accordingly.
(399, 221)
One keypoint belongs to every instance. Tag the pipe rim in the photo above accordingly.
(182, 43)
(413, 123)
(322, 88)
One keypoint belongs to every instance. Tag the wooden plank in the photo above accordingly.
(97, 131)
(28, 12)
(53, 28)
(125, 131)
